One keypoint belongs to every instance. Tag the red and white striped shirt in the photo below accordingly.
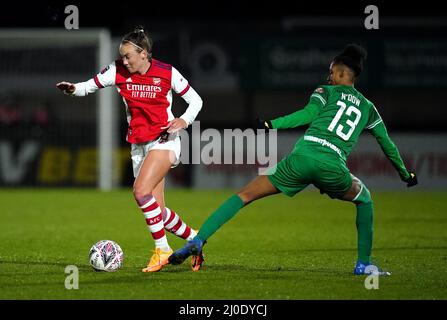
(147, 97)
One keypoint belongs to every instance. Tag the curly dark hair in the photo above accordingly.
(352, 56)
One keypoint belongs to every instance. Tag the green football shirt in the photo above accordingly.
(337, 116)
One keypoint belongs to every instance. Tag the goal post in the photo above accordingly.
(106, 119)
(34, 60)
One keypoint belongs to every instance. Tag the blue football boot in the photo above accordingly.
(192, 247)
(368, 269)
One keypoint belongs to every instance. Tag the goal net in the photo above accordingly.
(46, 137)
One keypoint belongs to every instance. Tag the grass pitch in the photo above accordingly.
(276, 248)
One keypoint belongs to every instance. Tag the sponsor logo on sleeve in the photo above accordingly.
(105, 69)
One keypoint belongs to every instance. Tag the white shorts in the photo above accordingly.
(139, 151)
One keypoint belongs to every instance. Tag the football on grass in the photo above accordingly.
(106, 255)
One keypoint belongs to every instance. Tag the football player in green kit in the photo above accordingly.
(337, 114)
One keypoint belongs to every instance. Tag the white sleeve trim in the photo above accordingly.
(316, 95)
(358, 194)
(375, 123)
(178, 82)
(195, 105)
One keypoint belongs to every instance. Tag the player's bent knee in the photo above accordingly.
(357, 186)
(141, 195)
(246, 197)
(364, 196)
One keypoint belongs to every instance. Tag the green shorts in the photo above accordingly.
(296, 171)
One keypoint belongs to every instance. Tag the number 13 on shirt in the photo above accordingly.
(350, 123)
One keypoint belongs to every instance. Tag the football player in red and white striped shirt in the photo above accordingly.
(146, 86)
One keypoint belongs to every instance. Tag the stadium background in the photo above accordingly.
(262, 63)
(246, 60)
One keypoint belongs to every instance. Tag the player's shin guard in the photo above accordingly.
(364, 222)
(152, 214)
(173, 223)
(224, 213)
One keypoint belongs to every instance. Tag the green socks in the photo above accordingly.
(224, 213)
(364, 224)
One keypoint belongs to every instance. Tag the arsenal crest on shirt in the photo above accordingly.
(157, 81)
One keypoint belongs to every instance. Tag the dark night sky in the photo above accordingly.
(119, 15)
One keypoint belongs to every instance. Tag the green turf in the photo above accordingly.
(276, 248)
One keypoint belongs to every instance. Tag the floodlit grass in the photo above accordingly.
(276, 248)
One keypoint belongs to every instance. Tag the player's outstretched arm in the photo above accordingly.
(80, 89)
(392, 153)
(103, 79)
(66, 87)
(293, 120)
(301, 117)
(298, 118)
